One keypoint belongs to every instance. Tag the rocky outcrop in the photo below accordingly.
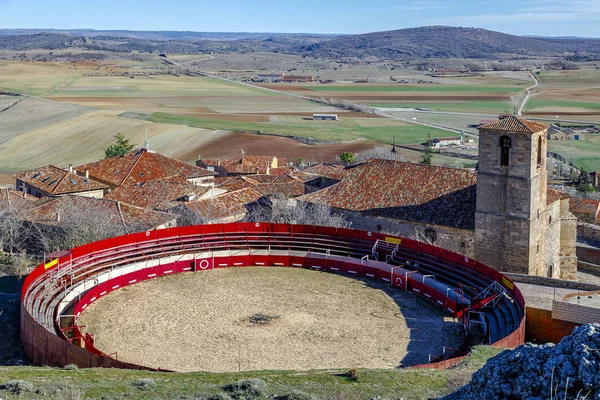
(568, 370)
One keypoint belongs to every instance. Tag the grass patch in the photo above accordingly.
(343, 130)
(492, 107)
(414, 88)
(535, 103)
(105, 383)
(583, 153)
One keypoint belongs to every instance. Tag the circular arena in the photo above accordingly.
(331, 298)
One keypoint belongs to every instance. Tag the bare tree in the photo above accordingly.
(379, 152)
(286, 211)
(13, 236)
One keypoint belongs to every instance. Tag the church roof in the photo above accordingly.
(394, 189)
(514, 125)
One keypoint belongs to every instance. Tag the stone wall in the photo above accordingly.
(552, 241)
(575, 313)
(457, 240)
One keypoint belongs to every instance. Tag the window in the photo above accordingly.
(505, 144)
(430, 234)
(539, 152)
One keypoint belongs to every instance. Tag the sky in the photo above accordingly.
(524, 17)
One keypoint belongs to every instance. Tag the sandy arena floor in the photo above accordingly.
(200, 322)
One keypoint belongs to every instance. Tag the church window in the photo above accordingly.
(505, 144)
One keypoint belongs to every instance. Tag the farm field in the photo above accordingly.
(378, 129)
(583, 153)
(485, 94)
(573, 95)
(316, 318)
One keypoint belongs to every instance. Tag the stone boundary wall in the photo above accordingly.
(551, 282)
(588, 268)
(575, 313)
(541, 327)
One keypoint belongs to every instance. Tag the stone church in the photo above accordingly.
(503, 214)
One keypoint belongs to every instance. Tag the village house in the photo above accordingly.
(267, 185)
(162, 194)
(142, 166)
(245, 165)
(54, 181)
(439, 143)
(15, 200)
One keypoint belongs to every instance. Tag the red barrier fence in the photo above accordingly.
(221, 245)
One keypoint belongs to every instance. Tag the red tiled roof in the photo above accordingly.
(54, 180)
(436, 195)
(267, 185)
(231, 204)
(326, 170)
(140, 166)
(555, 195)
(245, 164)
(124, 218)
(157, 195)
(587, 210)
(514, 125)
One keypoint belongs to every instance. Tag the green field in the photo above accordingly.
(378, 129)
(534, 103)
(492, 107)
(583, 153)
(109, 384)
(413, 88)
(583, 76)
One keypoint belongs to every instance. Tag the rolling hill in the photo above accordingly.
(412, 43)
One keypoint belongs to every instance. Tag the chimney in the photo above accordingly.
(71, 168)
(57, 217)
(87, 173)
(199, 157)
(268, 170)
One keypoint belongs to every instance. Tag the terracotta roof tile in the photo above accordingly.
(514, 125)
(327, 170)
(555, 195)
(228, 205)
(267, 185)
(587, 210)
(436, 195)
(158, 194)
(140, 166)
(246, 164)
(55, 181)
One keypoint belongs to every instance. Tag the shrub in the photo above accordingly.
(145, 384)
(352, 374)
(295, 395)
(17, 387)
(247, 389)
(70, 367)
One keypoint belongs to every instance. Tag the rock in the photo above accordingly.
(570, 369)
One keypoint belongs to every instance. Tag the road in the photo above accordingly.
(527, 94)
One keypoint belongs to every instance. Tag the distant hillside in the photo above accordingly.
(413, 43)
(446, 42)
(159, 35)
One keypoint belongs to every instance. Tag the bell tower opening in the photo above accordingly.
(505, 144)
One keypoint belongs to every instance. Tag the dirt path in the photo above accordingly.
(201, 322)
(527, 94)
